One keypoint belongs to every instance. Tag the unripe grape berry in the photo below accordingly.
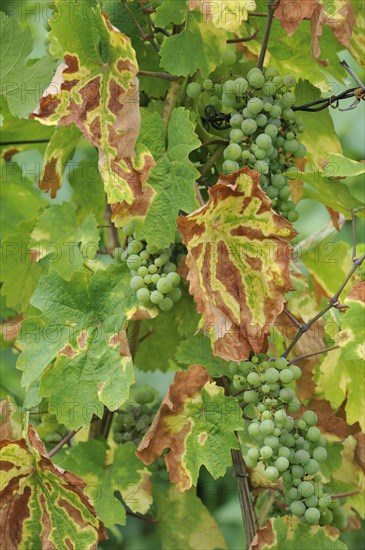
(312, 515)
(271, 473)
(263, 141)
(302, 456)
(320, 454)
(166, 304)
(306, 489)
(253, 379)
(254, 429)
(230, 166)
(164, 286)
(250, 396)
(137, 282)
(282, 463)
(297, 508)
(193, 90)
(249, 126)
(175, 294)
(271, 375)
(228, 58)
(232, 152)
(313, 433)
(266, 452)
(310, 417)
(253, 453)
(236, 120)
(297, 471)
(312, 467)
(236, 135)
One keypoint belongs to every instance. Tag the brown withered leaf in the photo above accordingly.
(291, 12)
(238, 258)
(337, 14)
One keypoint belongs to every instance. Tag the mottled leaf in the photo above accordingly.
(59, 151)
(41, 504)
(197, 422)
(339, 16)
(201, 37)
(351, 477)
(22, 83)
(358, 34)
(184, 521)
(59, 236)
(81, 327)
(352, 323)
(171, 180)
(288, 533)
(238, 260)
(98, 92)
(225, 14)
(125, 475)
(291, 12)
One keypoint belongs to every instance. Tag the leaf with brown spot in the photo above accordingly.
(291, 12)
(238, 258)
(197, 422)
(339, 16)
(41, 504)
(96, 88)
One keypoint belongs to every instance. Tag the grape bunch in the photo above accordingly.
(292, 449)
(264, 130)
(153, 271)
(134, 419)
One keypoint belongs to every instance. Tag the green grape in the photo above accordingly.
(313, 433)
(294, 405)
(297, 471)
(256, 79)
(249, 126)
(155, 278)
(166, 304)
(117, 253)
(275, 111)
(272, 192)
(291, 146)
(129, 228)
(297, 508)
(229, 57)
(164, 285)
(170, 267)
(311, 501)
(271, 375)
(271, 473)
(286, 376)
(284, 193)
(142, 271)
(236, 135)
(147, 279)
(261, 167)
(207, 84)
(241, 86)
(302, 456)
(232, 152)
(254, 430)
(118, 438)
(156, 297)
(267, 427)
(253, 379)
(324, 501)
(230, 166)
(263, 141)
(293, 216)
(282, 463)
(253, 453)
(306, 489)
(272, 131)
(292, 173)
(152, 249)
(193, 90)
(134, 261)
(261, 120)
(269, 88)
(236, 120)
(271, 72)
(143, 295)
(266, 452)
(286, 394)
(152, 269)
(292, 494)
(271, 441)
(301, 152)
(255, 105)
(320, 454)
(175, 294)
(312, 515)
(250, 463)
(137, 282)
(173, 278)
(250, 396)
(312, 467)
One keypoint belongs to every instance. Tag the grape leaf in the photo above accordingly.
(352, 323)
(351, 477)
(170, 11)
(19, 270)
(180, 520)
(60, 149)
(126, 475)
(238, 260)
(41, 503)
(225, 14)
(358, 32)
(290, 13)
(20, 200)
(19, 130)
(58, 235)
(171, 180)
(206, 41)
(81, 327)
(197, 422)
(196, 348)
(88, 195)
(98, 92)
(22, 83)
(288, 533)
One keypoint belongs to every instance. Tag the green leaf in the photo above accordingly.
(172, 178)
(289, 533)
(197, 422)
(184, 521)
(60, 149)
(88, 195)
(197, 349)
(126, 475)
(20, 199)
(170, 11)
(334, 458)
(36, 494)
(19, 270)
(352, 323)
(206, 41)
(68, 244)
(19, 130)
(80, 326)
(22, 83)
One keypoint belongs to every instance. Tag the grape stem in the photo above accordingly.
(164, 76)
(271, 5)
(345, 495)
(63, 442)
(301, 357)
(146, 519)
(244, 39)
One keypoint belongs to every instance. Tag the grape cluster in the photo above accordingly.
(134, 419)
(264, 130)
(153, 271)
(292, 449)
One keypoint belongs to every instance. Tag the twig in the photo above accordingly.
(332, 303)
(345, 495)
(301, 357)
(23, 142)
(245, 39)
(272, 4)
(198, 194)
(214, 142)
(292, 318)
(140, 29)
(212, 159)
(146, 519)
(164, 76)
(162, 31)
(62, 443)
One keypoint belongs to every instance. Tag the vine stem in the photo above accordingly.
(164, 76)
(272, 5)
(332, 303)
(146, 519)
(63, 442)
(301, 357)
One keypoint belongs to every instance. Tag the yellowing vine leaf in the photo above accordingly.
(43, 506)
(96, 88)
(197, 422)
(238, 259)
(225, 14)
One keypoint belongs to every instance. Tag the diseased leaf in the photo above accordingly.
(352, 323)
(289, 533)
(125, 475)
(238, 260)
(206, 41)
(171, 180)
(290, 13)
(41, 504)
(98, 92)
(59, 151)
(22, 83)
(81, 328)
(184, 521)
(339, 16)
(197, 422)
(225, 14)
(68, 244)
(358, 34)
